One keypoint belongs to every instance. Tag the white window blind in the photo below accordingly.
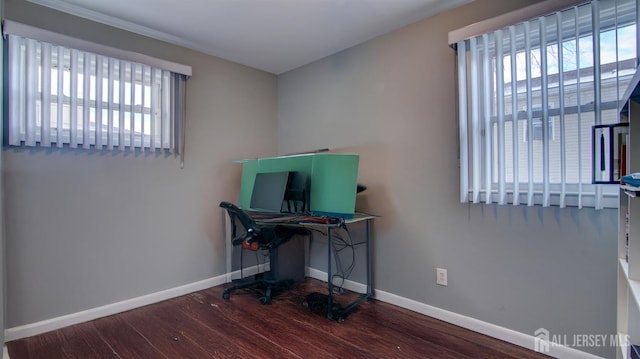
(66, 97)
(529, 95)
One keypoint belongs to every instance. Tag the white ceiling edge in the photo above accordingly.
(433, 10)
(120, 24)
(179, 41)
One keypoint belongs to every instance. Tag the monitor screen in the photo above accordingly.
(268, 191)
(297, 194)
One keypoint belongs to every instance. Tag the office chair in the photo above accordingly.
(259, 237)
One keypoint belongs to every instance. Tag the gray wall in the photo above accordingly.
(84, 229)
(87, 228)
(2, 241)
(393, 100)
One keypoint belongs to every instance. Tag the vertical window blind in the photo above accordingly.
(63, 96)
(529, 94)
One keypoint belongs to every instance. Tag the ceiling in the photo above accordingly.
(271, 35)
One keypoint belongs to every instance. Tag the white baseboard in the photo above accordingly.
(492, 330)
(5, 352)
(479, 326)
(348, 284)
(44, 326)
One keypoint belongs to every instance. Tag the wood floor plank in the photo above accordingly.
(84, 341)
(199, 310)
(429, 329)
(263, 321)
(361, 335)
(46, 346)
(18, 349)
(427, 337)
(125, 341)
(202, 324)
(464, 340)
(209, 338)
(173, 341)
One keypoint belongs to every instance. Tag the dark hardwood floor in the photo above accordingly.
(203, 325)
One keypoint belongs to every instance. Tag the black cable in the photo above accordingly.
(339, 244)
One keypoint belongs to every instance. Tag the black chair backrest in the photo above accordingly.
(243, 217)
(253, 230)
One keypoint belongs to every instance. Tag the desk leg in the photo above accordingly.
(339, 313)
(368, 255)
(228, 248)
(329, 275)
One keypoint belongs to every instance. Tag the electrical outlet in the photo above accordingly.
(441, 276)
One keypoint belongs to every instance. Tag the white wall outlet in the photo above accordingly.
(441, 276)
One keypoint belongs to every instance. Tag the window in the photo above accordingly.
(537, 132)
(536, 126)
(67, 97)
(552, 70)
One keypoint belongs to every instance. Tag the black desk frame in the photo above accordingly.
(339, 313)
(334, 312)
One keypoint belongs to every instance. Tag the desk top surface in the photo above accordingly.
(301, 219)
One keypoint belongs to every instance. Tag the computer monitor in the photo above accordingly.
(297, 194)
(268, 191)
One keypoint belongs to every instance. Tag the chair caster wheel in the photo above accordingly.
(265, 300)
(225, 296)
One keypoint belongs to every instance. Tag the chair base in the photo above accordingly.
(265, 286)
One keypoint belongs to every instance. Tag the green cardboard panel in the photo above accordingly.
(251, 167)
(333, 184)
(333, 179)
(249, 170)
(300, 163)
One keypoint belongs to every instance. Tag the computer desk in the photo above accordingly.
(334, 311)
